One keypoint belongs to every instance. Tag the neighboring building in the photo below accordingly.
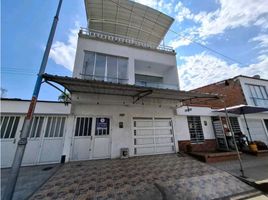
(245, 90)
(124, 90)
(47, 133)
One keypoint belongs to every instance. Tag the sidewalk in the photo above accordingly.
(255, 168)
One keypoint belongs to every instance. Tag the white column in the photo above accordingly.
(67, 148)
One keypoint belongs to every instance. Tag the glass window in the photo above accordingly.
(36, 127)
(195, 129)
(122, 69)
(258, 95)
(83, 126)
(9, 125)
(89, 62)
(112, 69)
(100, 67)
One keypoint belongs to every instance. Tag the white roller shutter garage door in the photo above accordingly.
(153, 136)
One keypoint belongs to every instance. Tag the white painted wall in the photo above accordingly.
(245, 80)
(182, 130)
(10, 106)
(130, 52)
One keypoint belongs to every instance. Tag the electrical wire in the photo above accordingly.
(181, 36)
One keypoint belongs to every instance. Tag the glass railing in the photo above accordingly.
(260, 102)
(157, 85)
(104, 78)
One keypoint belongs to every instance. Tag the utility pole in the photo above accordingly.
(10, 187)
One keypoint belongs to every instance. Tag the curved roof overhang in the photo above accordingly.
(128, 18)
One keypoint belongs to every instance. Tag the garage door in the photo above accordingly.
(257, 130)
(153, 136)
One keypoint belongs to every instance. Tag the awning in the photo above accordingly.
(75, 85)
(127, 18)
(243, 109)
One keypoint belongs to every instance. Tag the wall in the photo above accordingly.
(230, 89)
(100, 105)
(11, 106)
(121, 50)
(205, 114)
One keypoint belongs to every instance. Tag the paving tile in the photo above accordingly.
(136, 178)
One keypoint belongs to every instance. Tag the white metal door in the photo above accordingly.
(102, 141)
(153, 136)
(82, 140)
(33, 146)
(53, 140)
(9, 138)
(257, 130)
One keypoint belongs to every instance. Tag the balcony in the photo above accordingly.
(124, 40)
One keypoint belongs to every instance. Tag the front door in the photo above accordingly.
(91, 138)
(102, 139)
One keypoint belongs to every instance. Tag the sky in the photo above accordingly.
(214, 40)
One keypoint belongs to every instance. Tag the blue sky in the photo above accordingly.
(237, 29)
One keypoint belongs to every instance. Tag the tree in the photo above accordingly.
(3, 92)
(64, 97)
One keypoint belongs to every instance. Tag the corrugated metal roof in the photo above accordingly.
(127, 18)
(100, 87)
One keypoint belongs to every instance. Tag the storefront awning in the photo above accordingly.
(75, 85)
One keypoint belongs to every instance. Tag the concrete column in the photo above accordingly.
(68, 137)
(131, 71)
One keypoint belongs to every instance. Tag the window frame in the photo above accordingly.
(194, 130)
(105, 77)
(254, 95)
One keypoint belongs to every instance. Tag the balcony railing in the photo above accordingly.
(104, 78)
(124, 39)
(157, 85)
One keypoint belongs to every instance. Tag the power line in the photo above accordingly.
(181, 36)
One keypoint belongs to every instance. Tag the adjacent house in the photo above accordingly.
(243, 90)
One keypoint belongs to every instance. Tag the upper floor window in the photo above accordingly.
(195, 129)
(105, 67)
(259, 95)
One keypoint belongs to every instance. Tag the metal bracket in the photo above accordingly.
(22, 141)
(140, 95)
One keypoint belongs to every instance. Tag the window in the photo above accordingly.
(195, 129)
(259, 95)
(9, 125)
(36, 127)
(55, 127)
(83, 126)
(104, 67)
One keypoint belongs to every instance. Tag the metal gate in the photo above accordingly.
(45, 139)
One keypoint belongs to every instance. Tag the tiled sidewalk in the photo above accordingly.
(148, 177)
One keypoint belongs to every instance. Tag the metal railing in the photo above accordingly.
(124, 39)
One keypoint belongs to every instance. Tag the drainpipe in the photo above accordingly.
(15, 169)
(233, 136)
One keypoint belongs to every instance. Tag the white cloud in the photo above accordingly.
(262, 41)
(202, 69)
(63, 53)
(179, 42)
(161, 5)
(182, 12)
(230, 14)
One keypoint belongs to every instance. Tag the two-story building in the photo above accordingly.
(242, 90)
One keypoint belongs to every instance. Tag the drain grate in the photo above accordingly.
(47, 168)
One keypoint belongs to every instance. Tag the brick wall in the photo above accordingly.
(230, 89)
(208, 145)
